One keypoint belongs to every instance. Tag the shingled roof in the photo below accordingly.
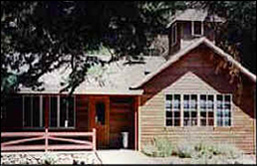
(115, 78)
(194, 15)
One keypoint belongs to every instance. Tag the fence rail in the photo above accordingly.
(77, 144)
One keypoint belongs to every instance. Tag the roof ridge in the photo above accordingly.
(178, 55)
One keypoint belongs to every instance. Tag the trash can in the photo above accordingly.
(125, 139)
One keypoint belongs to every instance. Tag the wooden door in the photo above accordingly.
(99, 119)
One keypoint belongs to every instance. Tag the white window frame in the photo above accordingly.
(193, 29)
(174, 28)
(207, 110)
(173, 118)
(31, 104)
(231, 110)
(198, 109)
(189, 109)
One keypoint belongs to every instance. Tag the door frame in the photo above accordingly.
(92, 112)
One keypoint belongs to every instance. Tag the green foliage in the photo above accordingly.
(229, 150)
(239, 31)
(40, 36)
(8, 83)
(206, 150)
(159, 147)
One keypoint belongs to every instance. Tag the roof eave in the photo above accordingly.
(86, 92)
(181, 54)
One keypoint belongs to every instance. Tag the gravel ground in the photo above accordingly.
(80, 158)
(111, 157)
(245, 159)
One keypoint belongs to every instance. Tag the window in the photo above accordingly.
(61, 112)
(197, 28)
(174, 34)
(190, 110)
(100, 113)
(207, 110)
(173, 110)
(201, 110)
(53, 111)
(223, 110)
(66, 111)
(32, 111)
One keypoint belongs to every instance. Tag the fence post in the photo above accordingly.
(94, 139)
(46, 139)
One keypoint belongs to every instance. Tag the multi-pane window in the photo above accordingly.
(61, 111)
(32, 111)
(207, 110)
(173, 110)
(66, 111)
(190, 110)
(198, 110)
(223, 110)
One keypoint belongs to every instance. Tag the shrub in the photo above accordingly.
(185, 150)
(149, 149)
(50, 159)
(229, 150)
(159, 147)
(206, 150)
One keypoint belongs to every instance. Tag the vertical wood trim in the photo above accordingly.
(139, 124)
(74, 111)
(50, 110)
(198, 110)
(254, 120)
(192, 28)
(41, 110)
(136, 122)
(215, 110)
(23, 111)
(182, 110)
(202, 28)
(91, 112)
(90, 117)
(108, 105)
(31, 110)
(58, 110)
(47, 110)
(232, 108)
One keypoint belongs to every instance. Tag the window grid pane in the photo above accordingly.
(206, 108)
(190, 110)
(173, 106)
(223, 110)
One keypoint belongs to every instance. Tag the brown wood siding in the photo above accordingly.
(195, 73)
(121, 119)
(82, 113)
(12, 116)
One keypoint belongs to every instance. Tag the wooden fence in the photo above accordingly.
(46, 136)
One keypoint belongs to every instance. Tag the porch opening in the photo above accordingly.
(122, 120)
